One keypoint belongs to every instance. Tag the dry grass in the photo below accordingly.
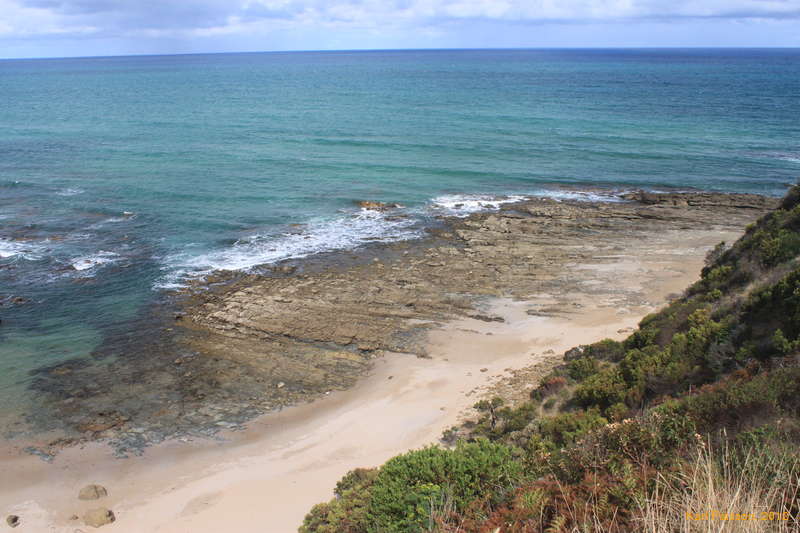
(715, 490)
(718, 486)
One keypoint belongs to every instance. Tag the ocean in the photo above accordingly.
(124, 177)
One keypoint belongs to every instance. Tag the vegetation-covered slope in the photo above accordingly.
(698, 411)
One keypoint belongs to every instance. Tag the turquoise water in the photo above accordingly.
(120, 177)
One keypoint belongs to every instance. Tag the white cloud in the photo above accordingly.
(537, 10)
(24, 21)
(212, 19)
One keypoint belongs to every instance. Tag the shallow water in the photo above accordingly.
(120, 177)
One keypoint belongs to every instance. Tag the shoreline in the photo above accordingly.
(239, 345)
(273, 472)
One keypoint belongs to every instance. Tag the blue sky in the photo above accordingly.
(56, 28)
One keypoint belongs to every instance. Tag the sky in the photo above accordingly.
(61, 28)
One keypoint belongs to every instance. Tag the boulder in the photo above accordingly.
(12, 520)
(98, 517)
(92, 492)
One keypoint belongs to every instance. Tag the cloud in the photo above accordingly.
(278, 24)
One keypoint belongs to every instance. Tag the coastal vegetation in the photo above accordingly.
(692, 423)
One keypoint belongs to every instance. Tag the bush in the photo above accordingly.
(347, 513)
(782, 345)
(779, 247)
(736, 403)
(580, 369)
(644, 336)
(775, 306)
(357, 479)
(601, 390)
(718, 275)
(567, 428)
(605, 350)
(409, 484)
(618, 412)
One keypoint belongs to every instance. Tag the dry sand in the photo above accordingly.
(266, 478)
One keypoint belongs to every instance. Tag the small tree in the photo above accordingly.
(490, 407)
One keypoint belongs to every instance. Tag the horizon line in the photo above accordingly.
(368, 50)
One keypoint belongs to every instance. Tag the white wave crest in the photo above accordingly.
(91, 261)
(580, 196)
(464, 204)
(21, 249)
(321, 236)
(69, 191)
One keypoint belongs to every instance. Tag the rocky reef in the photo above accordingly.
(240, 344)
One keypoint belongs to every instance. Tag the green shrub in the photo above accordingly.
(409, 484)
(605, 350)
(779, 247)
(357, 479)
(714, 256)
(567, 428)
(718, 275)
(580, 369)
(644, 336)
(735, 403)
(618, 412)
(602, 389)
(347, 513)
(775, 306)
(782, 345)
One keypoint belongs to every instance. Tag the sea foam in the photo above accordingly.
(581, 196)
(91, 261)
(349, 231)
(23, 250)
(70, 191)
(346, 232)
(462, 205)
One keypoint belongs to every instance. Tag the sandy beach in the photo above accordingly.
(266, 477)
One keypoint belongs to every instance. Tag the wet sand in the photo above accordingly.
(265, 479)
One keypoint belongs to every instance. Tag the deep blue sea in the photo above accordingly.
(120, 177)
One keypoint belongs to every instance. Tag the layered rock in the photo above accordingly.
(244, 344)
